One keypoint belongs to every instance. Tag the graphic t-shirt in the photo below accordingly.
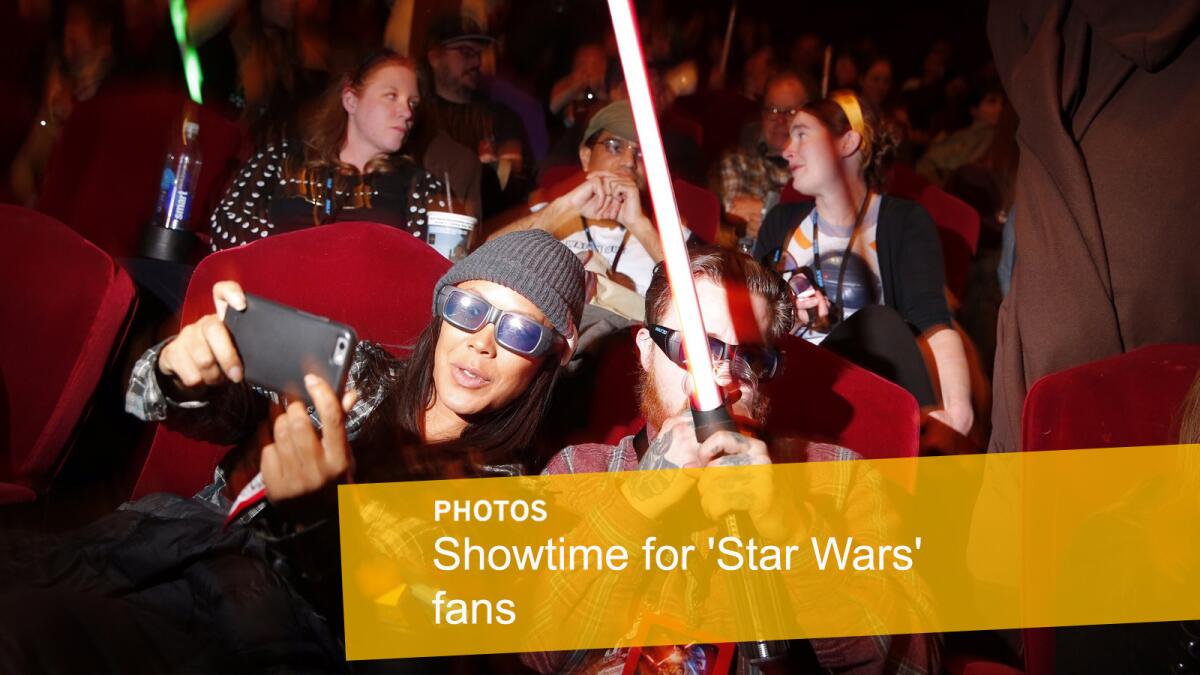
(862, 282)
(634, 262)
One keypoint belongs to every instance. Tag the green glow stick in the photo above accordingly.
(191, 60)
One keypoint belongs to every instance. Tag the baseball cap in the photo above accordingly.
(616, 118)
(451, 29)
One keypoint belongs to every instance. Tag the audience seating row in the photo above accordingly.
(68, 306)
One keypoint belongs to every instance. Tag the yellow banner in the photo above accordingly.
(843, 549)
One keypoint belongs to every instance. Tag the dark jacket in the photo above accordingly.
(1106, 187)
(910, 257)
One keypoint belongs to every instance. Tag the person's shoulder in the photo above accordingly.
(777, 226)
(792, 209)
(900, 209)
(828, 452)
(267, 154)
(737, 157)
(373, 366)
(786, 216)
(796, 449)
(592, 458)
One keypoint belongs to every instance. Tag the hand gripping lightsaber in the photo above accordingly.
(708, 404)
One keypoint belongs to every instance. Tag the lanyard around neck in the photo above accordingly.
(818, 276)
(587, 231)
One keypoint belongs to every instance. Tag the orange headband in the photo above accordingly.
(848, 102)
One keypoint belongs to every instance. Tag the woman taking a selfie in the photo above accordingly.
(866, 267)
(348, 166)
(183, 590)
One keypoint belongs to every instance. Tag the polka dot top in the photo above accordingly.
(269, 197)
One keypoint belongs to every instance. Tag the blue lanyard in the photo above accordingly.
(817, 275)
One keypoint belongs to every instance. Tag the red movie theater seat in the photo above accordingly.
(1127, 400)
(824, 397)
(103, 176)
(373, 277)
(66, 309)
(958, 229)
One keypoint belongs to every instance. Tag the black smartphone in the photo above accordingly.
(279, 345)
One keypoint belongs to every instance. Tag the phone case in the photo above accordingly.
(279, 345)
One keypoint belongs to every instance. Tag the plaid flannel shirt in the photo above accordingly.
(619, 523)
(751, 173)
(230, 414)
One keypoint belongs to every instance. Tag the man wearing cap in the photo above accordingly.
(495, 133)
(603, 214)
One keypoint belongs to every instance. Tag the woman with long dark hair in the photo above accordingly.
(867, 267)
(167, 584)
(347, 165)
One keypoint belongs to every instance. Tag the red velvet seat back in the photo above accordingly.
(721, 113)
(958, 229)
(1127, 400)
(824, 397)
(103, 176)
(66, 308)
(818, 396)
(374, 277)
(700, 209)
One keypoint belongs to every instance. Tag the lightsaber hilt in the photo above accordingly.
(761, 655)
(709, 422)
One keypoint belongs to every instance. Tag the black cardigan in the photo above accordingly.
(910, 257)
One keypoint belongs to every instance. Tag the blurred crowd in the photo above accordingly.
(845, 176)
(495, 101)
(517, 96)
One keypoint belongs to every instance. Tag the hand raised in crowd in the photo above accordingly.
(748, 208)
(607, 196)
(203, 353)
(809, 303)
(300, 460)
(591, 199)
(626, 192)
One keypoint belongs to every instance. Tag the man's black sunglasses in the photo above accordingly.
(764, 362)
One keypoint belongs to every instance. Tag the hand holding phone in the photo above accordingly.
(203, 354)
(300, 460)
(280, 345)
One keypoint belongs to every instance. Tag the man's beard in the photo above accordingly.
(655, 412)
(469, 82)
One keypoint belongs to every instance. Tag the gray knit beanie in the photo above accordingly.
(534, 264)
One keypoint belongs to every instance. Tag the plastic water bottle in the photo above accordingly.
(170, 236)
(745, 244)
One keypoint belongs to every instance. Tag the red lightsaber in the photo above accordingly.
(706, 395)
(708, 404)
